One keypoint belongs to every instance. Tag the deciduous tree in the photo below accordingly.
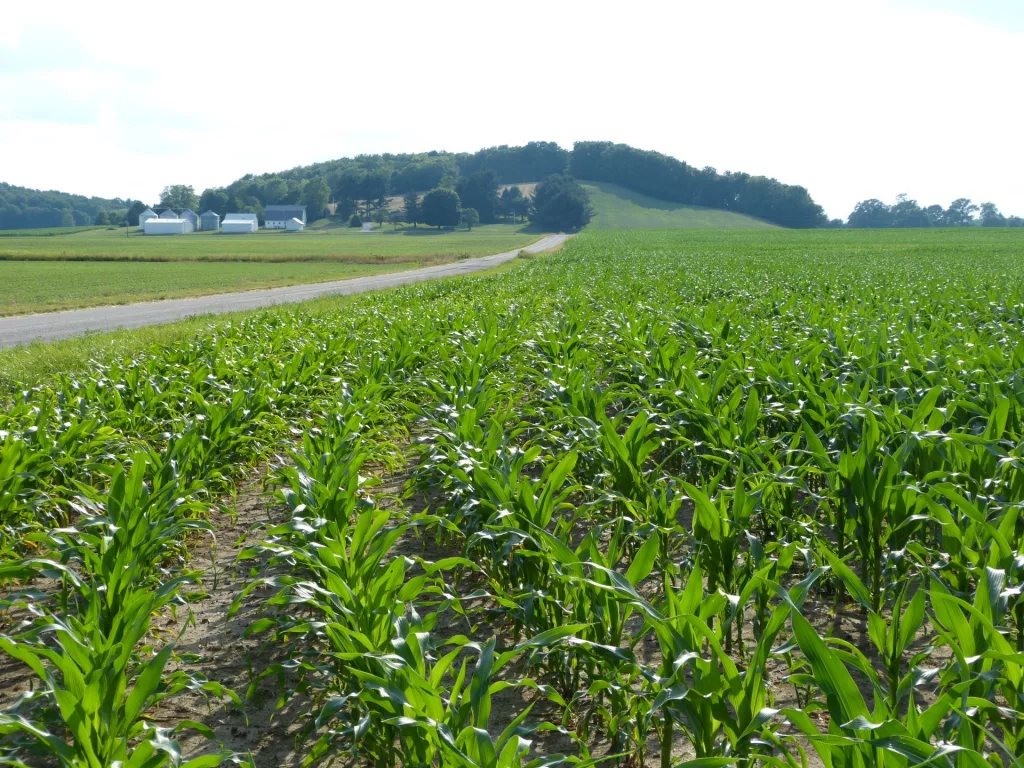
(442, 208)
(133, 213)
(870, 214)
(991, 217)
(315, 194)
(559, 203)
(960, 213)
(179, 196)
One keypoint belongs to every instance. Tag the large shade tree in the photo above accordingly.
(559, 203)
(179, 197)
(441, 208)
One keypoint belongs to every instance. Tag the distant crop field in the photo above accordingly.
(616, 207)
(339, 244)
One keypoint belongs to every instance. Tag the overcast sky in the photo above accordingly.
(850, 98)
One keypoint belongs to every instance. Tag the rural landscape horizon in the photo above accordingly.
(534, 386)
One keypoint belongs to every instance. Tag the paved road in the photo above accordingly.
(22, 329)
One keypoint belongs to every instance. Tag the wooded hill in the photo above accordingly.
(347, 181)
(23, 208)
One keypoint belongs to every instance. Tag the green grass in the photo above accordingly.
(617, 208)
(339, 244)
(46, 286)
(49, 231)
(32, 364)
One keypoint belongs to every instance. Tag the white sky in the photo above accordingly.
(851, 98)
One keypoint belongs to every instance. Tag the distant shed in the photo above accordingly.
(162, 226)
(168, 214)
(294, 225)
(240, 223)
(209, 222)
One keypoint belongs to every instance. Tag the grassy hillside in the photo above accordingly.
(617, 208)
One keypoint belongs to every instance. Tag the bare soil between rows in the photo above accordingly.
(271, 726)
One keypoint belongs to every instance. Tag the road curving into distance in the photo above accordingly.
(22, 329)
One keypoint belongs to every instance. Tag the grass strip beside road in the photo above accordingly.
(48, 286)
(34, 364)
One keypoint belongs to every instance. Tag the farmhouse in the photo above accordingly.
(147, 214)
(209, 222)
(277, 216)
(239, 223)
(161, 226)
(294, 225)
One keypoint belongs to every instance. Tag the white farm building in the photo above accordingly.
(294, 225)
(278, 216)
(162, 226)
(239, 223)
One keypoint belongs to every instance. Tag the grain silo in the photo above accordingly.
(209, 222)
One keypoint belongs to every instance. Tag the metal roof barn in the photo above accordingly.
(277, 216)
(238, 226)
(161, 226)
(209, 222)
(241, 217)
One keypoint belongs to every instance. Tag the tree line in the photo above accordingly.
(24, 208)
(874, 214)
(360, 186)
(557, 203)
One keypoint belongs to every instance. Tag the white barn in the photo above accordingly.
(278, 216)
(162, 226)
(239, 223)
(145, 216)
(294, 225)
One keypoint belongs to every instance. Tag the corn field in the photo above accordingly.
(747, 504)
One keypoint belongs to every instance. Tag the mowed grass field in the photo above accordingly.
(94, 267)
(616, 207)
(333, 244)
(46, 286)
